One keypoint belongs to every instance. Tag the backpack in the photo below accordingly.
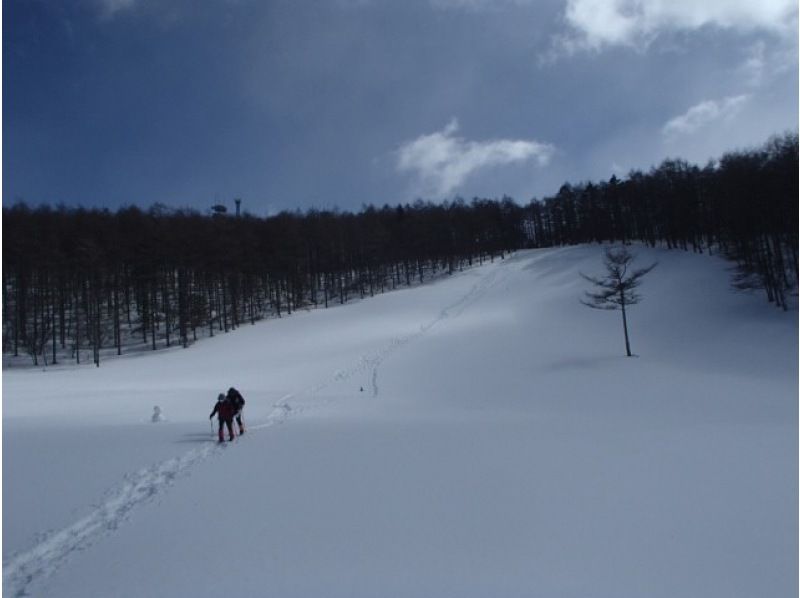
(236, 399)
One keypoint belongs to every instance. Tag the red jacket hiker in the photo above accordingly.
(224, 411)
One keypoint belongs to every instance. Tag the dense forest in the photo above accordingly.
(81, 283)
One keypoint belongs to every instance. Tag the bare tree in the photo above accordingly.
(617, 290)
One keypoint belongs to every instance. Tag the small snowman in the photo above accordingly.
(157, 417)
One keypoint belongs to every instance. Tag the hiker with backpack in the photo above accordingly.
(237, 402)
(224, 410)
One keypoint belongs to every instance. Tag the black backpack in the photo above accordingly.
(236, 399)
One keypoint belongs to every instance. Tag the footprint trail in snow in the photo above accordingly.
(23, 569)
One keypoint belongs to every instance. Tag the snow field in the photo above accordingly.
(502, 445)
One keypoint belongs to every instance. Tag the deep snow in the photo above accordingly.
(502, 445)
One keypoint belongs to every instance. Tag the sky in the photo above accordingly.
(299, 104)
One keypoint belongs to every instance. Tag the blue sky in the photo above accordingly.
(321, 103)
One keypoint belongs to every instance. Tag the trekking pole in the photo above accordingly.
(211, 423)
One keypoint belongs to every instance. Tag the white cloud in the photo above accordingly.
(703, 114)
(764, 63)
(755, 65)
(599, 23)
(443, 161)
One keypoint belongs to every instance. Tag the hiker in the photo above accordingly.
(224, 411)
(237, 402)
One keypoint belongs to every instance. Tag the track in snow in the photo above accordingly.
(21, 570)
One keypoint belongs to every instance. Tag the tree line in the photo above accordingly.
(78, 281)
(744, 206)
(84, 282)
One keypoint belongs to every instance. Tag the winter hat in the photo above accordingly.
(221, 397)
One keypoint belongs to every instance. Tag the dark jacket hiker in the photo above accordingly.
(237, 401)
(224, 410)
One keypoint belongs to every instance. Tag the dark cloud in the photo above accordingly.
(299, 103)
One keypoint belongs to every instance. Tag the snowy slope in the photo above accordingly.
(480, 436)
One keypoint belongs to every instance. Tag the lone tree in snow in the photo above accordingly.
(617, 289)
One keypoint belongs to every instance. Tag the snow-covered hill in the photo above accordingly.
(480, 436)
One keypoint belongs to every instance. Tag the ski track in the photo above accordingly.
(21, 570)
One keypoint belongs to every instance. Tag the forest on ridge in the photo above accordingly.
(82, 283)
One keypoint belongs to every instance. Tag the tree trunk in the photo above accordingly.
(625, 327)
